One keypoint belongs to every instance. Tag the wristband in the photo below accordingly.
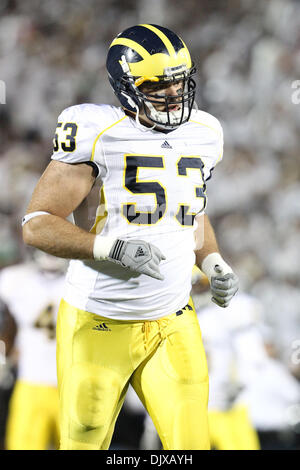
(31, 215)
(213, 264)
(102, 247)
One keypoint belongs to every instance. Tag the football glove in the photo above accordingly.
(223, 288)
(224, 282)
(137, 255)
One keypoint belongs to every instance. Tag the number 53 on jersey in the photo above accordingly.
(141, 186)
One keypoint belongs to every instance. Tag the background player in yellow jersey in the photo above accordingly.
(134, 178)
(32, 292)
(229, 418)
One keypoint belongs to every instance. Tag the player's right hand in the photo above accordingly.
(137, 255)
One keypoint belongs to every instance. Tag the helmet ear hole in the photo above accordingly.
(151, 53)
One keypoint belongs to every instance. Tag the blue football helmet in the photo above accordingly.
(149, 54)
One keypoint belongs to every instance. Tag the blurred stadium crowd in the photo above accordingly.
(52, 55)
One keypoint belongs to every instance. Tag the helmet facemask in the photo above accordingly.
(167, 117)
(156, 107)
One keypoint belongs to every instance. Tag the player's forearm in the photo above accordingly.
(58, 237)
(205, 240)
(223, 282)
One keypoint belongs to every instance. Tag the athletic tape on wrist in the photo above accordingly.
(102, 246)
(210, 262)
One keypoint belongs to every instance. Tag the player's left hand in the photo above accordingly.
(224, 282)
(223, 288)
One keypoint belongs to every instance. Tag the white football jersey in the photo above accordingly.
(33, 299)
(150, 186)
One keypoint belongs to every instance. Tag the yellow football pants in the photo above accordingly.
(33, 419)
(232, 430)
(164, 360)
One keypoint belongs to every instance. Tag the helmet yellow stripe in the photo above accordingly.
(162, 36)
(184, 44)
(188, 54)
(133, 45)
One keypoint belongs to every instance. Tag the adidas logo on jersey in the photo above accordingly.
(101, 327)
(166, 145)
(139, 252)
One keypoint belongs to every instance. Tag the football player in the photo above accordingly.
(8, 329)
(231, 367)
(134, 178)
(32, 290)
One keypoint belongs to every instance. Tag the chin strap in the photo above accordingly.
(138, 122)
(132, 104)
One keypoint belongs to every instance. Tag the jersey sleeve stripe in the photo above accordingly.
(206, 125)
(219, 134)
(219, 157)
(101, 133)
